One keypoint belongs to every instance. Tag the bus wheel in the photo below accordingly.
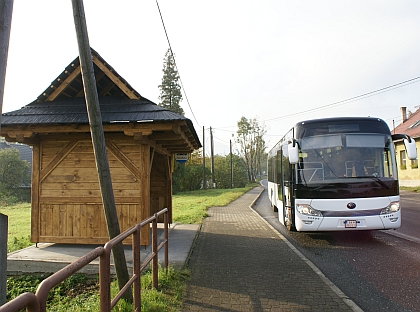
(275, 209)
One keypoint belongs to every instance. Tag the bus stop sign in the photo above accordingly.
(181, 158)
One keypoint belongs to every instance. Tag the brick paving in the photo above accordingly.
(239, 263)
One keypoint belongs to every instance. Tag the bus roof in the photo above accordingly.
(341, 125)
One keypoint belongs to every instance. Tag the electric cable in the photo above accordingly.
(352, 99)
(173, 55)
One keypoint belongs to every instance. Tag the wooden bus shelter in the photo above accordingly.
(141, 139)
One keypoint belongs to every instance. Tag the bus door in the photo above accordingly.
(287, 179)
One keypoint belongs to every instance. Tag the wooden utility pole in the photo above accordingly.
(231, 164)
(212, 160)
(204, 163)
(98, 141)
(6, 9)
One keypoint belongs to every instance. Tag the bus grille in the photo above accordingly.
(357, 213)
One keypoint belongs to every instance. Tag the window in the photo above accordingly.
(414, 163)
(403, 160)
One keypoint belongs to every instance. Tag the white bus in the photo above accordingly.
(337, 174)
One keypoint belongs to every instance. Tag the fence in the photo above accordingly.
(37, 302)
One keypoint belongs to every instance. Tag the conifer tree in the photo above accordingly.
(170, 90)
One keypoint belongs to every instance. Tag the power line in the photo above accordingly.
(173, 55)
(365, 95)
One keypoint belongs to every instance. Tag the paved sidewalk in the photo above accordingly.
(240, 263)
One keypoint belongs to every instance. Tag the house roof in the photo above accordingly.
(73, 111)
(63, 103)
(25, 151)
(411, 126)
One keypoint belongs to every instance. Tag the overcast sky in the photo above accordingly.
(277, 61)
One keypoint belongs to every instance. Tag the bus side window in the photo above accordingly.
(279, 174)
(286, 177)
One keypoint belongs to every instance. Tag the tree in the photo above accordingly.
(250, 137)
(170, 90)
(189, 176)
(223, 174)
(13, 171)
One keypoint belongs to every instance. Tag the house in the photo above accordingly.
(25, 151)
(141, 139)
(408, 170)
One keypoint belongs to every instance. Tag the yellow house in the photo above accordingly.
(408, 170)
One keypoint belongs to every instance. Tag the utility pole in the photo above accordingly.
(231, 164)
(212, 159)
(204, 163)
(98, 142)
(6, 9)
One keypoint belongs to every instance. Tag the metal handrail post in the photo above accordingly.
(105, 279)
(136, 268)
(165, 219)
(155, 262)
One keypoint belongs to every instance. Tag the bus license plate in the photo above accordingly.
(350, 223)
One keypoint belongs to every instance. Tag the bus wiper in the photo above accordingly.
(376, 179)
(380, 182)
(322, 186)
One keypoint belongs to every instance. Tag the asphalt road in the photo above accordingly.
(378, 270)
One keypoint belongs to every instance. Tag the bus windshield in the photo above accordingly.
(345, 156)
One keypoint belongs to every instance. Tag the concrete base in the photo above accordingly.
(49, 258)
(409, 183)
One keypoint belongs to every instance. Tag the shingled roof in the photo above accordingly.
(63, 103)
(411, 126)
(73, 111)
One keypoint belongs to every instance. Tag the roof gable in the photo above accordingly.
(69, 82)
(411, 126)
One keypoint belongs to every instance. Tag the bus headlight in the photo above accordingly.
(308, 210)
(391, 208)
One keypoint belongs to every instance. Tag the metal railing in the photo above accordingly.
(37, 302)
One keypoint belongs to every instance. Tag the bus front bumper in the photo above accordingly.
(378, 222)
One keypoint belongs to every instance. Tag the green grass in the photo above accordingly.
(191, 207)
(78, 293)
(415, 189)
(19, 224)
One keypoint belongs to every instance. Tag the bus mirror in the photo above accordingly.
(293, 150)
(410, 148)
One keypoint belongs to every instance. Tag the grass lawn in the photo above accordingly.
(415, 189)
(191, 207)
(19, 224)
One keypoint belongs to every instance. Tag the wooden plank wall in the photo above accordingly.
(69, 205)
(161, 185)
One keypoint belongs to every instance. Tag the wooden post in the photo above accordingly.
(212, 160)
(6, 9)
(3, 257)
(231, 164)
(98, 141)
(204, 162)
